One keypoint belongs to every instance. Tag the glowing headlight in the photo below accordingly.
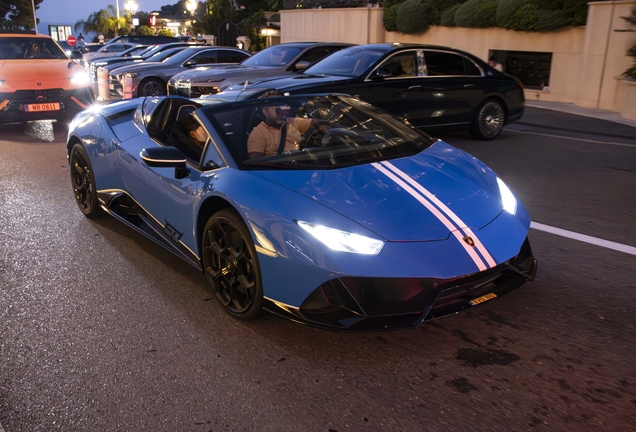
(508, 200)
(81, 79)
(1, 82)
(343, 241)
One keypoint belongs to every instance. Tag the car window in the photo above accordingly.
(322, 132)
(445, 63)
(401, 65)
(29, 48)
(228, 56)
(349, 62)
(315, 54)
(277, 55)
(204, 57)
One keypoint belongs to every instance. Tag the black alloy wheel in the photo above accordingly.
(151, 87)
(83, 181)
(231, 265)
(489, 120)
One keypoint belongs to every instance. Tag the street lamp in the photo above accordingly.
(191, 6)
(131, 7)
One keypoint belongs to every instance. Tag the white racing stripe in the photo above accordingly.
(584, 238)
(443, 219)
(447, 211)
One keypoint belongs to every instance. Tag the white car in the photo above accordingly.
(109, 50)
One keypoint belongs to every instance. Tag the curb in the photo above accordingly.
(581, 111)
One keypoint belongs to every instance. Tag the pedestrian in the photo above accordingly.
(100, 38)
(492, 61)
(80, 38)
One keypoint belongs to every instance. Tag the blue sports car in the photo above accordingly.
(321, 208)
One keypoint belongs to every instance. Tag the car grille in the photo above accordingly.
(38, 95)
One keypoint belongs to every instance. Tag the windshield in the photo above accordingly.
(312, 132)
(164, 55)
(278, 55)
(15, 48)
(350, 62)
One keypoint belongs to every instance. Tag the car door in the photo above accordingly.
(451, 90)
(392, 87)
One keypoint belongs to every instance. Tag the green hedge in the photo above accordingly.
(477, 13)
(413, 16)
(448, 16)
(389, 19)
(505, 10)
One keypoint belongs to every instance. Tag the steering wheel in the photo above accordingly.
(311, 138)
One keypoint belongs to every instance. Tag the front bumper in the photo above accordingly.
(13, 106)
(191, 91)
(370, 304)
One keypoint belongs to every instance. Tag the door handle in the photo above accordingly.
(415, 87)
(469, 85)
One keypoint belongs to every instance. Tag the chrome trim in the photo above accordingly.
(147, 159)
(282, 305)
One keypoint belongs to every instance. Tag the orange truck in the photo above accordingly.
(38, 81)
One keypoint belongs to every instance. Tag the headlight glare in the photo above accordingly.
(508, 200)
(81, 78)
(342, 241)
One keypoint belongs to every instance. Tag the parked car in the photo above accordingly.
(366, 224)
(108, 50)
(150, 78)
(273, 61)
(435, 88)
(144, 55)
(144, 40)
(38, 81)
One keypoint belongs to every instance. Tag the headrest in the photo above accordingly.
(184, 112)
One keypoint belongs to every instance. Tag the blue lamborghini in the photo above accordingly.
(356, 221)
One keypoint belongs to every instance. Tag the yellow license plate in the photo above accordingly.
(42, 107)
(484, 298)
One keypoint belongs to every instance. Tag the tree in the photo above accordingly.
(145, 31)
(104, 21)
(17, 14)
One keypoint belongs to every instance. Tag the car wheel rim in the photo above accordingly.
(229, 266)
(491, 119)
(82, 185)
(152, 88)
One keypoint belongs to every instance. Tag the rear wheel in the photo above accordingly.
(83, 181)
(151, 87)
(489, 120)
(231, 265)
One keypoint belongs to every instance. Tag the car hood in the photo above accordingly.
(383, 205)
(27, 74)
(220, 73)
(296, 80)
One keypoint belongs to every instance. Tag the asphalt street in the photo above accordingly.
(102, 330)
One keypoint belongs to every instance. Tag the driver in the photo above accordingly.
(33, 50)
(265, 138)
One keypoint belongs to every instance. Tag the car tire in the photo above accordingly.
(231, 265)
(83, 181)
(151, 87)
(489, 120)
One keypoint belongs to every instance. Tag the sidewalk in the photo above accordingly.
(586, 112)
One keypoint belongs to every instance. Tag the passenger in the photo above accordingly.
(265, 139)
(408, 66)
(198, 137)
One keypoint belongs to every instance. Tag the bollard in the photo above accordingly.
(127, 86)
(102, 85)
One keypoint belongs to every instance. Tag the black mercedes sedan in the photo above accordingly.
(435, 88)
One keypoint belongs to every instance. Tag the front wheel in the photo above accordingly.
(83, 181)
(151, 87)
(489, 120)
(231, 265)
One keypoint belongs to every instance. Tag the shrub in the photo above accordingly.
(631, 23)
(525, 18)
(505, 9)
(550, 19)
(389, 19)
(165, 32)
(438, 7)
(477, 13)
(145, 31)
(413, 16)
(448, 16)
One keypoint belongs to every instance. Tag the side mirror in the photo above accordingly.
(380, 73)
(166, 157)
(301, 65)
(190, 63)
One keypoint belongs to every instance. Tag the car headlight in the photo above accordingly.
(80, 78)
(133, 75)
(508, 200)
(342, 241)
